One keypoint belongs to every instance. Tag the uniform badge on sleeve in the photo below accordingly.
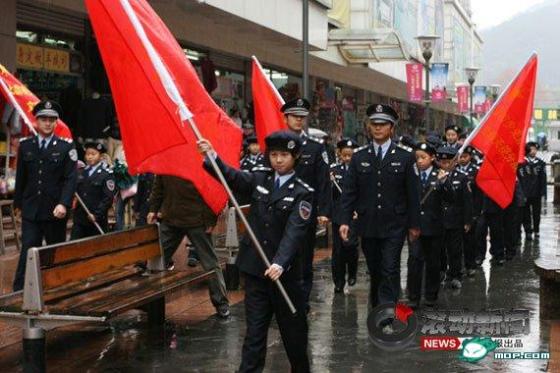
(110, 185)
(73, 155)
(325, 157)
(305, 210)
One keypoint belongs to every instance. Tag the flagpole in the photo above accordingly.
(185, 115)
(472, 135)
(278, 96)
(26, 120)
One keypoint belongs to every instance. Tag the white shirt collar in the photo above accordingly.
(283, 178)
(428, 171)
(47, 139)
(92, 169)
(384, 147)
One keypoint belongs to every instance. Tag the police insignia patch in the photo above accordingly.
(325, 157)
(110, 185)
(73, 154)
(291, 144)
(305, 210)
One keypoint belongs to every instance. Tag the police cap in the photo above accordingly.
(47, 108)
(426, 147)
(299, 107)
(446, 152)
(95, 145)
(379, 114)
(284, 141)
(347, 143)
(453, 127)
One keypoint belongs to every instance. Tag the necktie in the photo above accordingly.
(43, 145)
(424, 177)
(277, 184)
(379, 154)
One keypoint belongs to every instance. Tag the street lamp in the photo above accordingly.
(494, 91)
(471, 76)
(427, 44)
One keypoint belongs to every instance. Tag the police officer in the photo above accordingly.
(280, 215)
(384, 190)
(532, 176)
(470, 169)
(96, 187)
(313, 169)
(452, 133)
(425, 252)
(45, 183)
(345, 253)
(254, 157)
(457, 215)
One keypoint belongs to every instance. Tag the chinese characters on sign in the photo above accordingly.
(463, 98)
(35, 57)
(414, 81)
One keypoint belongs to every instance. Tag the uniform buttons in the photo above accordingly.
(379, 172)
(39, 192)
(266, 225)
(379, 195)
(39, 182)
(40, 172)
(265, 242)
(270, 208)
(379, 206)
(421, 212)
(40, 162)
(378, 184)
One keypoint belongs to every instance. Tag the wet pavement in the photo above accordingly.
(338, 336)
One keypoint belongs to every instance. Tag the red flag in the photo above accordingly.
(267, 102)
(156, 90)
(23, 100)
(502, 133)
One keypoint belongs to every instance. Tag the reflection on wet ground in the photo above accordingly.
(338, 334)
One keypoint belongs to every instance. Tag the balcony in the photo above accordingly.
(369, 45)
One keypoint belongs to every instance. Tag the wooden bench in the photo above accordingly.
(548, 270)
(91, 280)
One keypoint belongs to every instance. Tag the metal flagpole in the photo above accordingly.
(185, 115)
(88, 212)
(336, 184)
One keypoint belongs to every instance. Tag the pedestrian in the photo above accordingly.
(424, 254)
(344, 253)
(384, 189)
(46, 176)
(467, 166)
(182, 211)
(532, 175)
(457, 216)
(280, 215)
(253, 157)
(96, 188)
(313, 169)
(452, 133)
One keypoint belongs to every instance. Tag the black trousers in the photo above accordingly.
(509, 221)
(383, 258)
(453, 245)
(496, 226)
(80, 230)
(344, 257)
(424, 253)
(532, 215)
(308, 253)
(262, 301)
(469, 247)
(32, 235)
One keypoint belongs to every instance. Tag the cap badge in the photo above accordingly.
(379, 108)
(349, 143)
(291, 144)
(48, 105)
(299, 102)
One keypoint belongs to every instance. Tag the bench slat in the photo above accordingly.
(83, 269)
(98, 245)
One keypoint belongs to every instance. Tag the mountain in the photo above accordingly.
(508, 46)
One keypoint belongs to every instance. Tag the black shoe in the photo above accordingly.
(223, 311)
(338, 289)
(498, 261)
(471, 272)
(170, 266)
(352, 281)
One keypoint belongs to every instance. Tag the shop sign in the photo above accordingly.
(414, 81)
(36, 57)
(463, 98)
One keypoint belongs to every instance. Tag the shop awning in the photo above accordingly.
(364, 46)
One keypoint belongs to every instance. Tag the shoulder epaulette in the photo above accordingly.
(319, 141)
(25, 138)
(360, 148)
(69, 141)
(334, 165)
(461, 171)
(305, 185)
(261, 168)
(408, 149)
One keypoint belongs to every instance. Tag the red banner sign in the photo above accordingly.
(463, 98)
(414, 81)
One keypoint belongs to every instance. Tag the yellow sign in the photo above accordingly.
(538, 114)
(35, 57)
(552, 115)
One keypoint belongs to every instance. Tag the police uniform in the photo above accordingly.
(457, 212)
(425, 252)
(385, 192)
(469, 243)
(45, 177)
(250, 161)
(532, 176)
(313, 169)
(458, 131)
(96, 187)
(280, 216)
(345, 253)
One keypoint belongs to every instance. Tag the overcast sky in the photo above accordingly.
(489, 13)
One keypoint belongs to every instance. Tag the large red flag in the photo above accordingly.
(156, 90)
(23, 100)
(501, 135)
(267, 102)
